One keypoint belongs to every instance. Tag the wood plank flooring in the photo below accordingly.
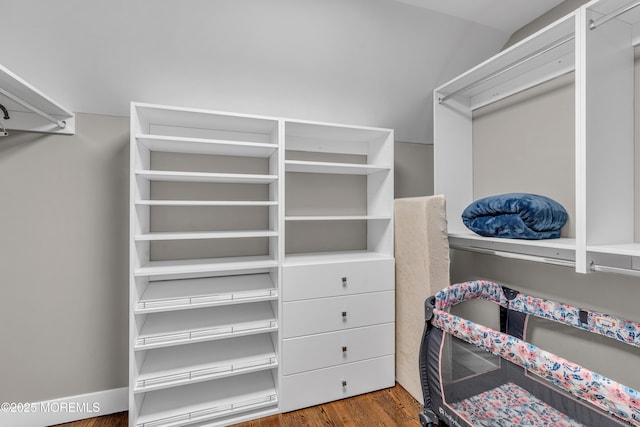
(393, 407)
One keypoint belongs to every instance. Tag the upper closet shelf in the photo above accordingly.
(536, 59)
(31, 110)
(333, 168)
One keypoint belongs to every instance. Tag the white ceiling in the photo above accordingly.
(502, 15)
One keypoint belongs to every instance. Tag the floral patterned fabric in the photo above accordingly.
(590, 386)
(478, 289)
(603, 324)
(511, 406)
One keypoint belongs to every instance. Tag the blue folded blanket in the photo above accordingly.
(516, 216)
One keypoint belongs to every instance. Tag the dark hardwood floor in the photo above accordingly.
(391, 407)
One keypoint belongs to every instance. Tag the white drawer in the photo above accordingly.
(341, 278)
(324, 385)
(336, 348)
(338, 313)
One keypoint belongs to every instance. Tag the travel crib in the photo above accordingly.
(472, 375)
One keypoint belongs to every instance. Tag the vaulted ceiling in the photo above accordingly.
(369, 62)
(502, 15)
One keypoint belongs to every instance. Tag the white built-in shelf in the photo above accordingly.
(165, 295)
(337, 218)
(554, 251)
(176, 144)
(30, 109)
(333, 168)
(206, 401)
(333, 257)
(205, 324)
(174, 366)
(196, 235)
(233, 178)
(626, 249)
(206, 265)
(204, 203)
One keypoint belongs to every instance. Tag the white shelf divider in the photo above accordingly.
(206, 265)
(313, 258)
(175, 366)
(205, 324)
(181, 294)
(176, 144)
(337, 218)
(212, 203)
(235, 234)
(333, 168)
(179, 176)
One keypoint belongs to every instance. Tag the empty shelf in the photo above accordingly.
(333, 257)
(180, 176)
(167, 295)
(175, 144)
(196, 235)
(205, 324)
(628, 249)
(336, 218)
(173, 366)
(207, 400)
(206, 202)
(333, 168)
(159, 268)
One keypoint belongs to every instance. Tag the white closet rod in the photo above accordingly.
(617, 270)
(60, 123)
(508, 67)
(606, 18)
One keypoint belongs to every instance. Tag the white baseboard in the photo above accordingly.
(65, 409)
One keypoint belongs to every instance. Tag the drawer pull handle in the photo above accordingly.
(344, 314)
(344, 383)
(344, 348)
(344, 281)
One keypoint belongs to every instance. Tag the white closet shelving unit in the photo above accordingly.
(596, 43)
(30, 109)
(338, 306)
(215, 340)
(204, 331)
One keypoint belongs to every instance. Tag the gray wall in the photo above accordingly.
(64, 263)
(413, 169)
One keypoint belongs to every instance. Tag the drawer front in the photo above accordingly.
(336, 348)
(342, 278)
(324, 385)
(336, 314)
